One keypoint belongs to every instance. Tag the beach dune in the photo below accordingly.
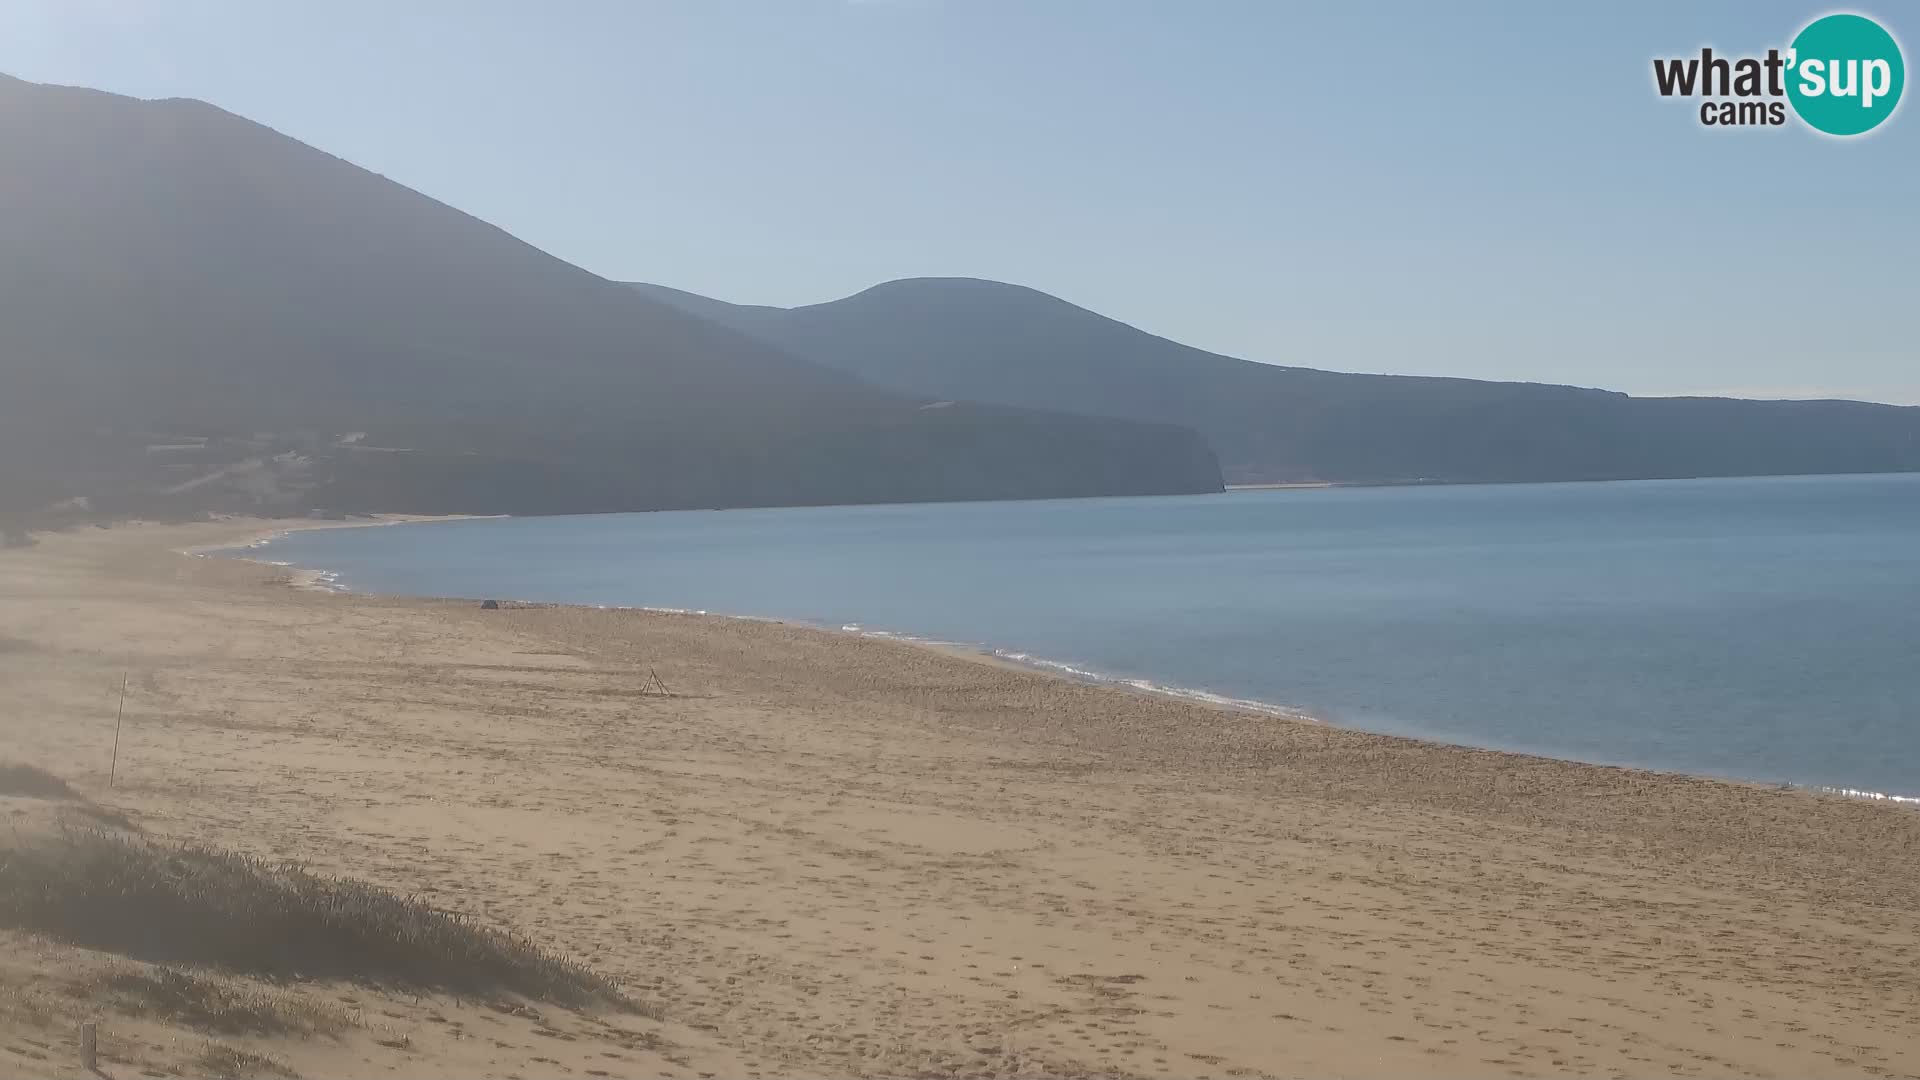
(824, 855)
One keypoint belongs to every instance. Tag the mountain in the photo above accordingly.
(196, 309)
(988, 341)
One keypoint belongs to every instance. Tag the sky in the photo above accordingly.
(1476, 189)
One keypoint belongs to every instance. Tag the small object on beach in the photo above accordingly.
(88, 1049)
(489, 605)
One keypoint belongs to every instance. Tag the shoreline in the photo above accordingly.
(827, 855)
(307, 578)
(321, 579)
(264, 530)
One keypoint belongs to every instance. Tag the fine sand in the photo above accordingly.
(822, 855)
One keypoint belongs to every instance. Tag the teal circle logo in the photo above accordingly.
(1845, 74)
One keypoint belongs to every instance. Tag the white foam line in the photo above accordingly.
(1857, 793)
(1184, 693)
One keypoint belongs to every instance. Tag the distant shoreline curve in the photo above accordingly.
(320, 580)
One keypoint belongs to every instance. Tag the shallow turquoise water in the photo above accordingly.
(1765, 629)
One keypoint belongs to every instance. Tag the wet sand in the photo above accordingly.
(827, 855)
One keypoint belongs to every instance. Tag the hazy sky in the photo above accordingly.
(1492, 191)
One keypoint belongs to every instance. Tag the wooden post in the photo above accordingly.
(113, 770)
(89, 1049)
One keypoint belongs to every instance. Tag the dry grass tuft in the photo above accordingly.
(32, 782)
(189, 905)
(212, 1005)
(103, 816)
(227, 1063)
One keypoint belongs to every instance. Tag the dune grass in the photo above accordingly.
(230, 1063)
(189, 905)
(211, 1004)
(32, 782)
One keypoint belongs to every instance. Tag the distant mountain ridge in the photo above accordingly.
(989, 341)
(194, 307)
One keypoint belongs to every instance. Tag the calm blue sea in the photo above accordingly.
(1762, 629)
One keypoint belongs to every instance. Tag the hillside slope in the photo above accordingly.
(988, 341)
(186, 293)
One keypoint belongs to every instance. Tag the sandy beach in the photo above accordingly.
(821, 855)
